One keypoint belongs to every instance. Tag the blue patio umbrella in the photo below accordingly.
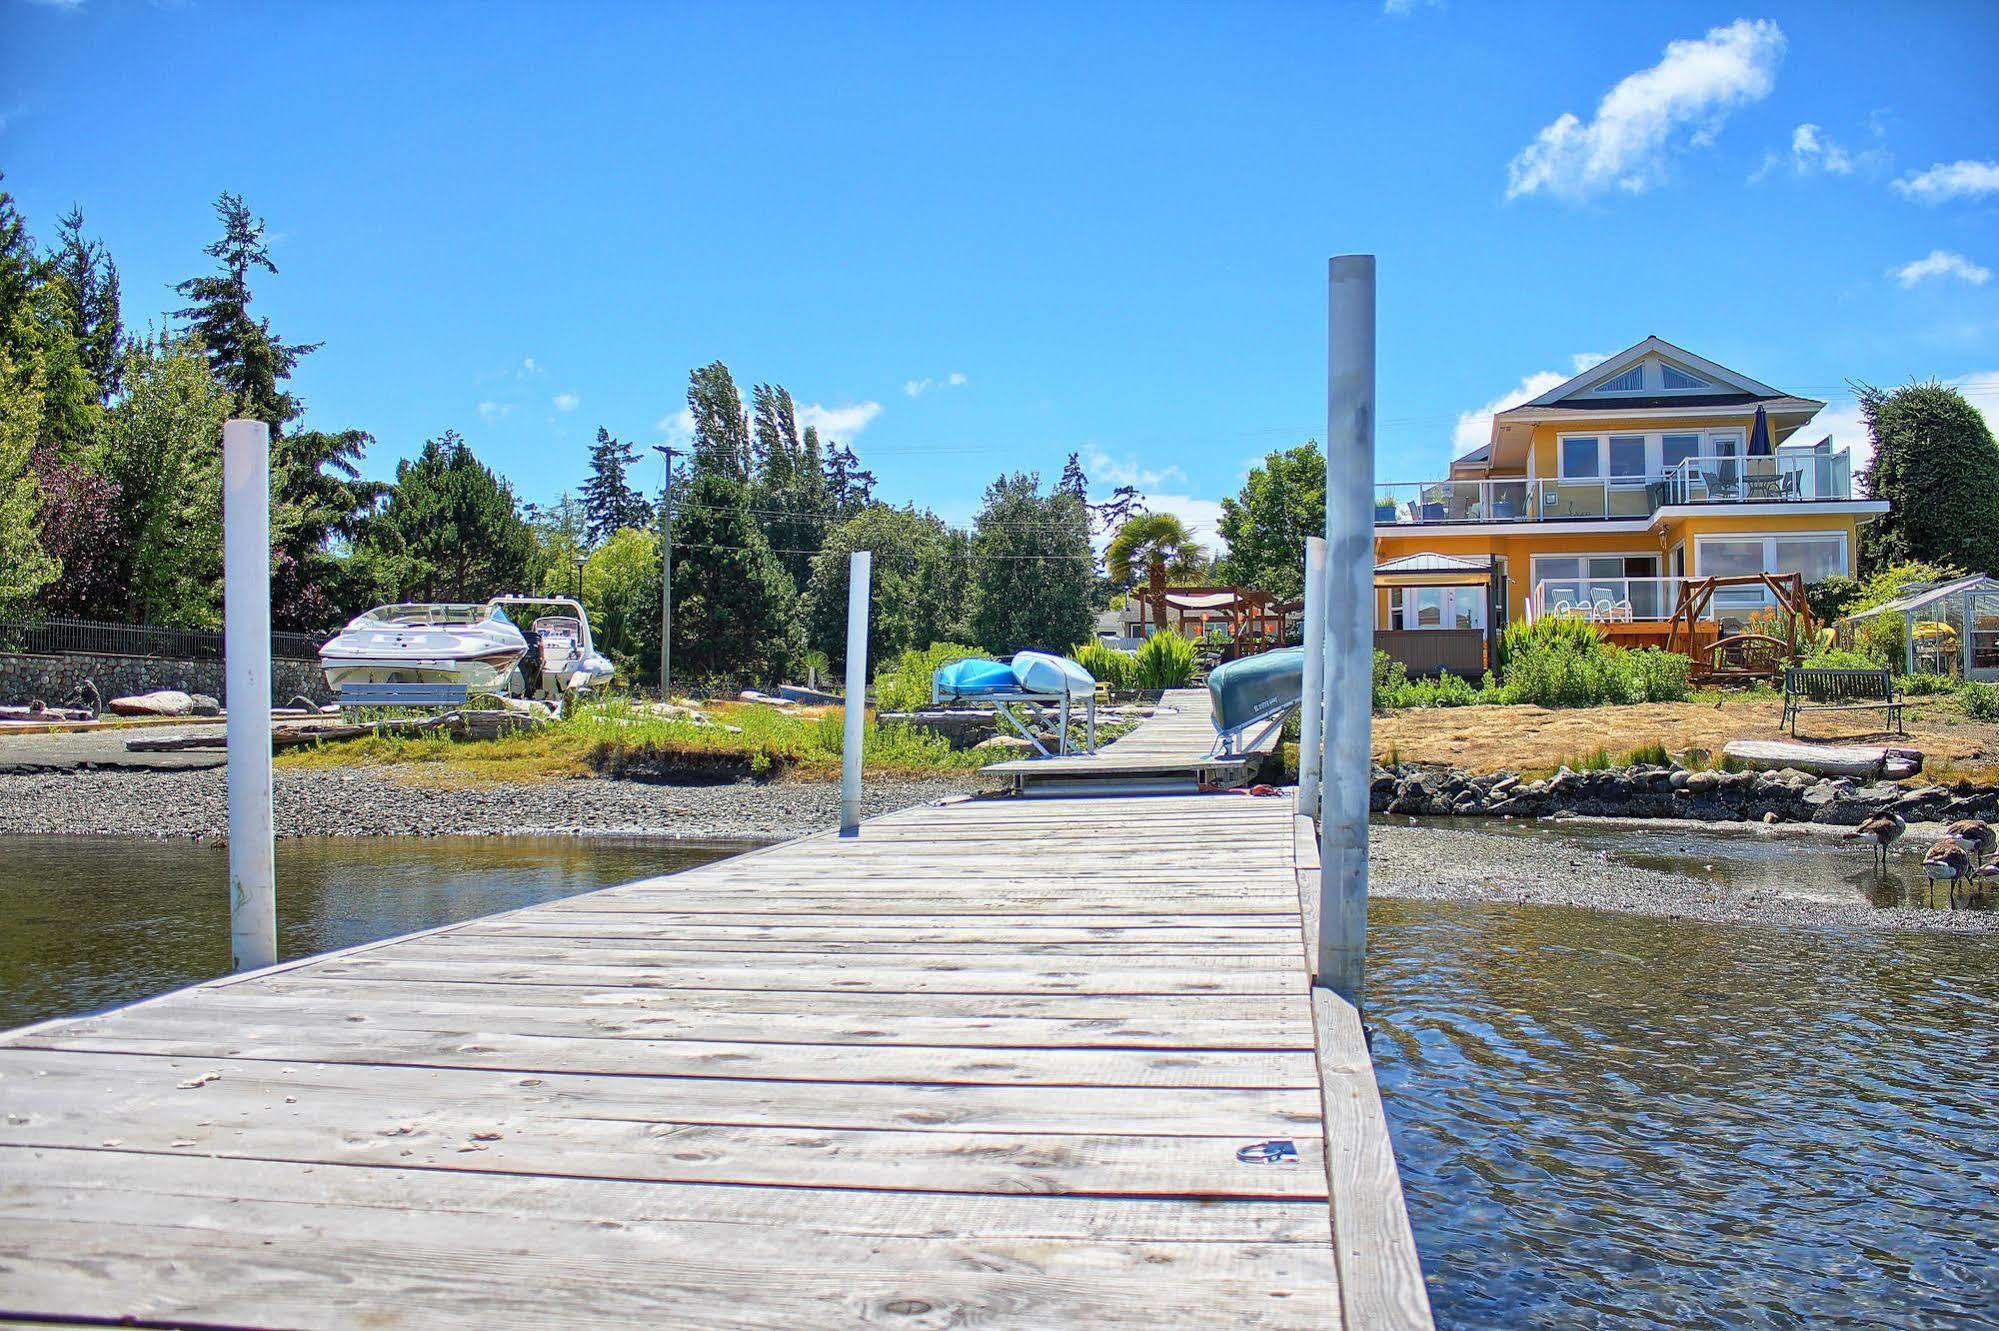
(1759, 436)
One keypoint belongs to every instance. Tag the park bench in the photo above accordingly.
(1810, 689)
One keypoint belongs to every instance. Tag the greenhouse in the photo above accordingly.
(1949, 628)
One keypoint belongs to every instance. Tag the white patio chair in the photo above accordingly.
(1564, 608)
(1621, 612)
(1602, 609)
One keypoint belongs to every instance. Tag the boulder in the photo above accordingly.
(1004, 746)
(205, 705)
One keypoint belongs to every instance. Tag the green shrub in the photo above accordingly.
(1164, 661)
(1831, 598)
(1839, 658)
(1107, 665)
(903, 685)
(1391, 677)
(1561, 661)
(1924, 684)
(1980, 701)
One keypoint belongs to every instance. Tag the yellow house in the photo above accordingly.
(1601, 497)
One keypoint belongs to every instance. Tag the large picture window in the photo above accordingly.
(1815, 555)
(1436, 607)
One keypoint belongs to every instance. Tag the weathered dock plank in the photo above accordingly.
(984, 1064)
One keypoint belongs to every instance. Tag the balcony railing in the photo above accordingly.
(1792, 476)
(1630, 600)
(1612, 600)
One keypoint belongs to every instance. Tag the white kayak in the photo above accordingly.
(1039, 672)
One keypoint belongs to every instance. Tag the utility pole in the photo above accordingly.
(666, 572)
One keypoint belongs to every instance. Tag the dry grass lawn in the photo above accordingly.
(1491, 739)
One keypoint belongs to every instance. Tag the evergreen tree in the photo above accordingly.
(789, 495)
(20, 270)
(1074, 481)
(318, 499)
(450, 531)
(90, 279)
(609, 501)
(161, 445)
(917, 595)
(248, 360)
(735, 610)
(1031, 568)
(848, 487)
(561, 536)
(25, 566)
(1282, 503)
(721, 434)
(1936, 464)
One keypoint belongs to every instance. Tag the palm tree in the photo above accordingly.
(1159, 544)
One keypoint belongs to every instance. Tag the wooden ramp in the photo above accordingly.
(994, 1064)
(1173, 750)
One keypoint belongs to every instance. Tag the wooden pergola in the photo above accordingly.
(1255, 620)
(1740, 656)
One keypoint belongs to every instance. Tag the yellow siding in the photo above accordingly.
(1547, 435)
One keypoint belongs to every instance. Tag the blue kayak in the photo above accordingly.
(1252, 688)
(975, 679)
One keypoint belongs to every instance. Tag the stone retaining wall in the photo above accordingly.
(1786, 796)
(54, 679)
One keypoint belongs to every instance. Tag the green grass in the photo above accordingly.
(1650, 754)
(615, 735)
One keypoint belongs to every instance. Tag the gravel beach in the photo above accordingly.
(1786, 877)
(362, 803)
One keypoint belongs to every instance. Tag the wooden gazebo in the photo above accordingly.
(1737, 655)
(1254, 620)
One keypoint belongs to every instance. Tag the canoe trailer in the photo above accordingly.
(1008, 704)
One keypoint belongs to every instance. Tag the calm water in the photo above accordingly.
(1616, 1121)
(1602, 1120)
(89, 922)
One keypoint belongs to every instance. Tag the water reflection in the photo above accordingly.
(88, 922)
(1617, 1121)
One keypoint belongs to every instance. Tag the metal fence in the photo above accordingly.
(64, 637)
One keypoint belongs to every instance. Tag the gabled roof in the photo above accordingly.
(1434, 563)
(1656, 347)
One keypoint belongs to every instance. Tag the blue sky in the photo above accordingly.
(981, 237)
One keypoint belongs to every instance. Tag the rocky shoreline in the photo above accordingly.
(1674, 793)
(358, 802)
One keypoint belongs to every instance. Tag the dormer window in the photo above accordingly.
(1631, 381)
(1680, 379)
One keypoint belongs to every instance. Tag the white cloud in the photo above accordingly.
(1951, 180)
(1689, 92)
(1400, 8)
(676, 428)
(1474, 428)
(1813, 150)
(1203, 518)
(566, 402)
(1110, 472)
(1941, 263)
(490, 412)
(918, 387)
(68, 6)
(841, 423)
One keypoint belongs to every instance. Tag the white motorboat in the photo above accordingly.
(562, 658)
(474, 645)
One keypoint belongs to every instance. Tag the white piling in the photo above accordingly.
(859, 567)
(1349, 683)
(246, 619)
(1312, 708)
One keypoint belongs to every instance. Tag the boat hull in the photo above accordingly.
(974, 678)
(1252, 688)
(485, 674)
(1039, 672)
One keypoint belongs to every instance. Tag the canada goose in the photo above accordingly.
(1948, 861)
(1974, 834)
(1883, 829)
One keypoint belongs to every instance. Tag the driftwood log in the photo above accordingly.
(1771, 755)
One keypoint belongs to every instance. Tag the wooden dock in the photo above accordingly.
(1172, 751)
(990, 1063)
